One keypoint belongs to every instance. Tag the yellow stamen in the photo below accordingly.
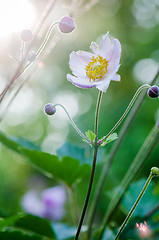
(96, 68)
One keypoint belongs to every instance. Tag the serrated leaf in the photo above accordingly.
(67, 169)
(90, 135)
(109, 139)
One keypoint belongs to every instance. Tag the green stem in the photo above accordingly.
(135, 167)
(134, 206)
(114, 150)
(93, 168)
(126, 111)
(72, 122)
(45, 39)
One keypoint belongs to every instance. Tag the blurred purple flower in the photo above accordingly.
(47, 204)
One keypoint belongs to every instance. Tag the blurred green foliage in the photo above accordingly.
(138, 32)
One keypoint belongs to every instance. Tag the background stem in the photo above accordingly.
(114, 150)
(134, 206)
(143, 154)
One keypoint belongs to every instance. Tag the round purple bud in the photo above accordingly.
(50, 109)
(153, 92)
(67, 24)
(26, 35)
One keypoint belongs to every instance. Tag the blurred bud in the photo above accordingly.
(50, 109)
(31, 56)
(67, 24)
(153, 92)
(26, 35)
(48, 204)
(155, 171)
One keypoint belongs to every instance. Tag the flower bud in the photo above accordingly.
(31, 56)
(50, 109)
(153, 92)
(67, 24)
(155, 171)
(26, 35)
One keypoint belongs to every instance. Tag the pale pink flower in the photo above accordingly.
(97, 69)
(47, 204)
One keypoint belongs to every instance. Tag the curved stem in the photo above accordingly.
(141, 157)
(114, 150)
(93, 168)
(45, 39)
(72, 122)
(134, 206)
(126, 111)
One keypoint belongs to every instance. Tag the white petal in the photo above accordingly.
(103, 85)
(106, 46)
(115, 54)
(78, 62)
(95, 49)
(80, 82)
(116, 77)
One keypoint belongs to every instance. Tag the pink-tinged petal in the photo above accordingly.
(116, 77)
(78, 62)
(95, 49)
(115, 54)
(106, 46)
(80, 82)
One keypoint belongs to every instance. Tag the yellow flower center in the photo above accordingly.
(96, 68)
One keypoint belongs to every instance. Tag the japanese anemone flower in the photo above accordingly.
(97, 69)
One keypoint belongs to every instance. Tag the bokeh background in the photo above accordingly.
(136, 24)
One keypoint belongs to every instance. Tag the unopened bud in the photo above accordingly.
(31, 56)
(155, 171)
(67, 24)
(50, 109)
(26, 35)
(153, 92)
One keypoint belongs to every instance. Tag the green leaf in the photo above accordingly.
(4, 222)
(90, 135)
(109, 139)
(29, 222)
(83, 154)
(18, 235)
(35, 224)
(67, 170)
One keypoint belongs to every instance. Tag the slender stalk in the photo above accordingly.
(73, 123)
(20, 69)
(134, 206)
(114, 150)
(45, 39)
(126, 111)
(144, 152)
(93, 168)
